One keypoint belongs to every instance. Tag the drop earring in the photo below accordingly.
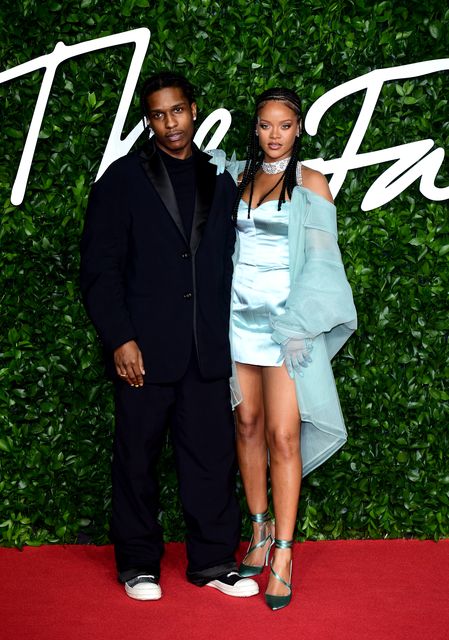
(148, 129)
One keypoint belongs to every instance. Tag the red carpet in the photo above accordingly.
(343, 590)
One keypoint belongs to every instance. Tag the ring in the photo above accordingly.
(123, 375)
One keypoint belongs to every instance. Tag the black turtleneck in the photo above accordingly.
(183, 179)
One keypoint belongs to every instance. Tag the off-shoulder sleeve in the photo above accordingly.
(320, 299)
(232, 166)
(218, 158)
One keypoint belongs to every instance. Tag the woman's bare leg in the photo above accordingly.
(282, 425)
(252, 450)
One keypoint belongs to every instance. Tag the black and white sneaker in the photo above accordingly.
(144, 587)
(234, 585)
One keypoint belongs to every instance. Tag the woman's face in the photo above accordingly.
(277, 127)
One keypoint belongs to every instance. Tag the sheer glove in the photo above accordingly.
(296, 353)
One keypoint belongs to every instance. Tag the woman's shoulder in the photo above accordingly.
(316, 182)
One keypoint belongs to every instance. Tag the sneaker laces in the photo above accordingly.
(140, 578)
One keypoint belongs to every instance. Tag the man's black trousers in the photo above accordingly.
(198, 413)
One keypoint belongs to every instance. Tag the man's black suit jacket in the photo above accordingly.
(142, 280)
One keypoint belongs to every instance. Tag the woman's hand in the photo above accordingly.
(296, 354)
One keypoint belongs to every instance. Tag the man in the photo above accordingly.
(155, 275)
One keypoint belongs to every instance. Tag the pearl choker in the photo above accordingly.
(275, 167)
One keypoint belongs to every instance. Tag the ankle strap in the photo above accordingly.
(260, 517)
(283, 544)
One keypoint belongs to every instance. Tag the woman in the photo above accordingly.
(292, 309)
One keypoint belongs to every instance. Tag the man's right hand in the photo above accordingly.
(129, 363)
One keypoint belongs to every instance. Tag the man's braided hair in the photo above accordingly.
(164, 80)
(254, 153)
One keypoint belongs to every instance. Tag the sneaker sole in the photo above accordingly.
(155, 594)
(242, 592)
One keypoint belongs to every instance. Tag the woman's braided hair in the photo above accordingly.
(254, 156)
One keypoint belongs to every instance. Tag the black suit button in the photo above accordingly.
(185, 255)
(187, 296)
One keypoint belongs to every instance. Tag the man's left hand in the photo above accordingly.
(129, 363)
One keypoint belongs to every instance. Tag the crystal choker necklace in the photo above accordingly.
(275, 167)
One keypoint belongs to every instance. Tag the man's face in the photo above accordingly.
(171, 117)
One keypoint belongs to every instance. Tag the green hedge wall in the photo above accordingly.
(56, 413)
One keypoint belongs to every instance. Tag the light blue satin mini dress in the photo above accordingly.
(261, 282)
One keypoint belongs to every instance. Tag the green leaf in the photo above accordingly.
(13, 133)
(435, 29)
(4, 446)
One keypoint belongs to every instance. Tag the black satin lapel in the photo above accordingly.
(159, 178)
(206, 174)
